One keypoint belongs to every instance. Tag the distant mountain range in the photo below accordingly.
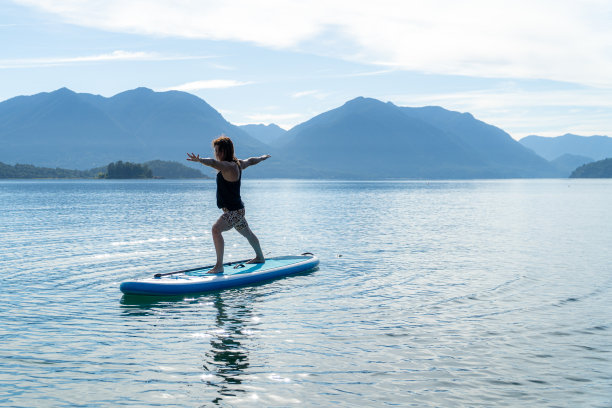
(567, 163)
(269, 134)
(551, 148)
(364, 138)
(81, 131)
(372, 139)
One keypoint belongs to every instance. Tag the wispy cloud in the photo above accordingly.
(564, 40)
(498, 99)
(118, 55)
(223, 67)
(312, 93)
(206, 84)
(371, 73)
(271, 117)
(304, 93)
(523, 112)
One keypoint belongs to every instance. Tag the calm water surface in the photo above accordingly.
(441, 294)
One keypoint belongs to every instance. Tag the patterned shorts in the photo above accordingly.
(235, 219)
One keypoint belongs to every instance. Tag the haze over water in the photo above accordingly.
(450, 293)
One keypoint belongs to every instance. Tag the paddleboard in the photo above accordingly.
(235, 274)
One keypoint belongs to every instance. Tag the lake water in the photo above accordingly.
(429, 294)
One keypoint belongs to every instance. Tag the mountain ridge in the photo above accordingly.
(268, 134)
(596, 147)
(363, 138)
(424, 148)
(86, 130)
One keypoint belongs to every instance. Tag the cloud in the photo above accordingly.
(118, 55)
(304, 93)
(223, 67)
(370, 73)
(272, 117)
(206, 84)
(312, 93)
(563, 40)
(522, 112)
(499, 99)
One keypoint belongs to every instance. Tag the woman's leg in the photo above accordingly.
(250, 236)
(220, 226)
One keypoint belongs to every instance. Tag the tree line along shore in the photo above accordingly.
(173, 170)
(598, 169)
(116, 170)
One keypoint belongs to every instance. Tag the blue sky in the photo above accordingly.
(529, 67)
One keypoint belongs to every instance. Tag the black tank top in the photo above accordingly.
(228, 192)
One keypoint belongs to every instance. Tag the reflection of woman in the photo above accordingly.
(228, 197)
(227, 359)
(227, 354)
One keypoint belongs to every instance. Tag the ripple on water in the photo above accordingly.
(448, 303)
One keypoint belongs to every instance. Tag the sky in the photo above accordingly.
(528, 67)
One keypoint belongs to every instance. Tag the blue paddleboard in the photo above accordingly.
(235, 274)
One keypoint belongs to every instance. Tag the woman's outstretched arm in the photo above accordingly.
(215, 164)
(251, 161)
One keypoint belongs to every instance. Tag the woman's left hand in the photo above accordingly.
(192, 157)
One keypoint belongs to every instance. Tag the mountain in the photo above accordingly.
(46, 128)
(569, 162)
(81, 131)
(496, 148)
(598, 169)
(366, 138)
(268, 134)
(597, 147)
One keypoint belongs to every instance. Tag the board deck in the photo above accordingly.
(235, 274)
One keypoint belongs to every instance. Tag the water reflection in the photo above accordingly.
(139, 305)
(227, 358)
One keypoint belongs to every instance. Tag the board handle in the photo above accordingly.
(159, 275)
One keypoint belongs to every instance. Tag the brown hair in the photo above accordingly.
(226, 149)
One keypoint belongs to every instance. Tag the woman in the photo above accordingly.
(228, 197)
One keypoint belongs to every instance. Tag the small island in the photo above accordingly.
(598, 169)
(127, 170)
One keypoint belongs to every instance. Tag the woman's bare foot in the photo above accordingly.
(216, 270)
(257, 260)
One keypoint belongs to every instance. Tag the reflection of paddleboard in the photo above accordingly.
(235, 274)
